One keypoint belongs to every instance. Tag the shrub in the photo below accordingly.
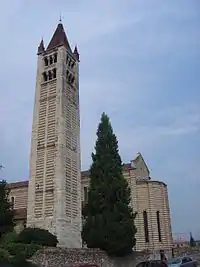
(37, 236)
(4, 256)
(9, 238)
(18, 248)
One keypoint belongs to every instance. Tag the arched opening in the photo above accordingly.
(54, 73)
(46, 62)
(50, 75)
(44, 76)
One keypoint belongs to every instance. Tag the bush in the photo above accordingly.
(4, 256)
(18, 252)
(37, 236)
(9, 238)
(19, 248)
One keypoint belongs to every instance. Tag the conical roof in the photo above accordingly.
(59, 38)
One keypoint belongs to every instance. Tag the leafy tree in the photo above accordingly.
(108, 217)
(192, 241)
(37, 236)
(6, 212)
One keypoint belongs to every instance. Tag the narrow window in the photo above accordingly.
(72, 65)
(50, 75)
(69, 78)
(54, 73)
(67, 59)
(158, 225)
(146, 230)
(44, 76)
(50, 60)
(55, 58)
(12, 202)
(72, 80)
(85, 194)
(46, 61)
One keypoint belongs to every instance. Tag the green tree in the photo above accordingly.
(108, 217)
(192, 241)
(6, 212)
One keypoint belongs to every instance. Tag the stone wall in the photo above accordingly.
(54, 257)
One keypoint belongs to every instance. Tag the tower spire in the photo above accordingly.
(59, 38)
(76, 53)
(41, 48)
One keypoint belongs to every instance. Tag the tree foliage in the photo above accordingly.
(108, 217)
(192, 241)
(37, 236)
(6, 212)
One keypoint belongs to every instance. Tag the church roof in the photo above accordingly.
(59, 38)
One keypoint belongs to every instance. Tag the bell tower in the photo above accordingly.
(54, 194)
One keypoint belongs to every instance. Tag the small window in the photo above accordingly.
(72, 80)
(72, 65)
(51, 60)
(146, 230)
(44, 76)
(67, 59)
(158, 225)
(85, 194)
(12, 202)
(50, 75)
(46, 63)
(54, 73)
(55, 58)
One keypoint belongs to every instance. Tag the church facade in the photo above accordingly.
(53, 196)
(149, 199)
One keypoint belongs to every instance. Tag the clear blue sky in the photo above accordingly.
(140, 63)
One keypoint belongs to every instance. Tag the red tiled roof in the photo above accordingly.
(59, 38)
(20, 214)
(126, 167)
(18, 184)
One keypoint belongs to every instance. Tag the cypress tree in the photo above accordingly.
(108, 217)
(6, 212)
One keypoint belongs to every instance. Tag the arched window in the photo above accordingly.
(55, 58)
(158, 225)
(72, 80)
(54, 73)
(67, 59)
(51, 60)
(46, 62)
(146, 230)
(50, 75)
(44, 76)
(72, 64)
(85, 194)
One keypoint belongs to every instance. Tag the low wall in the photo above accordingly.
(61, 257)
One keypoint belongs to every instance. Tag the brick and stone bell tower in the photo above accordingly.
(54, 194)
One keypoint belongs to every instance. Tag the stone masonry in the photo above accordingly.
(54, 193)
(53, 257)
